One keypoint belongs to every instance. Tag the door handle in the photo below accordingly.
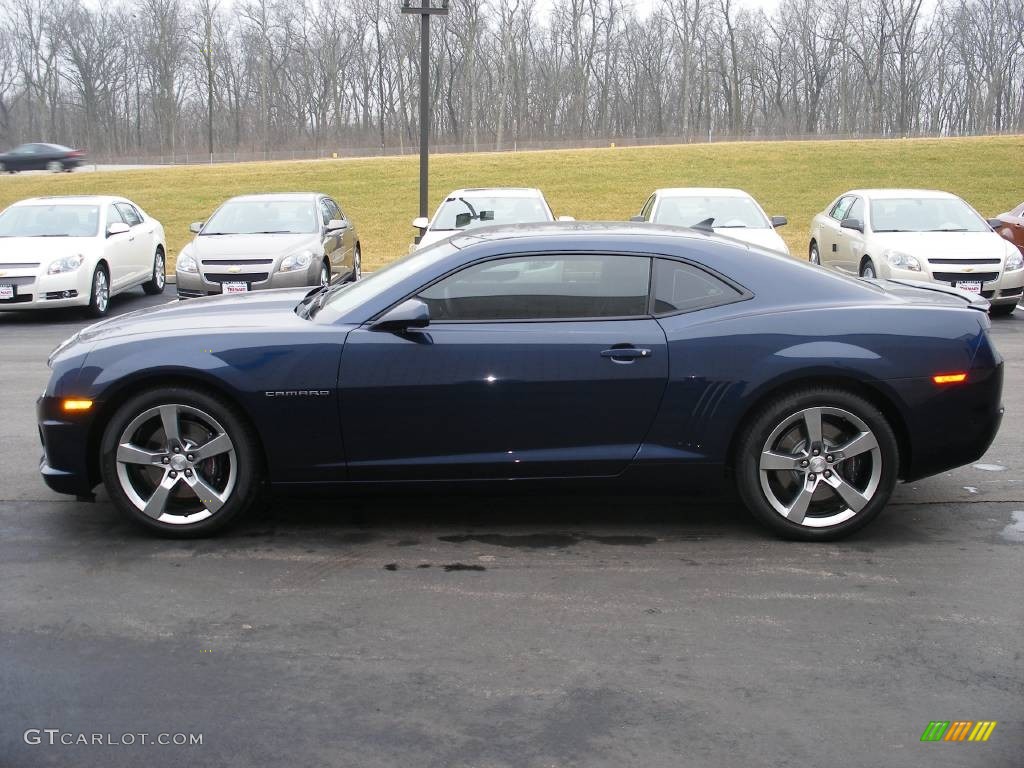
(626, 354)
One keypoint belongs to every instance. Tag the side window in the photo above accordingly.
(648, 207)
(335, 210)
(856, 210)
(681, 287)
(128, 213)
(841, 207)
(543, 288)
(114, 215)
(325, 211)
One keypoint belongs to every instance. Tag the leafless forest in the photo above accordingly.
(163, 76)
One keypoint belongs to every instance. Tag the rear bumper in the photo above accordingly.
(64, 464)
(951, 425)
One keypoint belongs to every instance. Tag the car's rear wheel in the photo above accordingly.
(817, 464)
(158, 279)
(180, 462)
(99, 296)
(813, 255)
(55, 166)
(867, 269)
(357, 264)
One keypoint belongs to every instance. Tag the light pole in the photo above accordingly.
(425, 10)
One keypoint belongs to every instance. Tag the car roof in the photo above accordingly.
(902, 193)
(73, 199)
(278, 196)
(577, 229)
(701, 192)
(503, 191)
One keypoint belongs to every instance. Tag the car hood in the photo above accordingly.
(250, 246)
(765, 238)
(430, 237)
(944, 245)
(41, 250)
(258, 309)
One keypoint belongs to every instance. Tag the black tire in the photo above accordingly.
(241, 495)
(813, 254)
(1001, 310)
(325, 269)
(867, 266)
(99, 304)
(158, 279)
(773, 416)
(357, 264)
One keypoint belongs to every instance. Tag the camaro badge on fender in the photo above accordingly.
(299, 393)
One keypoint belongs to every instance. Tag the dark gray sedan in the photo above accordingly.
(269, 241)
(40, 157)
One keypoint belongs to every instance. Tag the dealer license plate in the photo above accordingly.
(971, 286)
(244, 287)
(6, 292)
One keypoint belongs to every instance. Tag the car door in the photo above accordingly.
(531, 366)
(850, 244)
(118, 251)
(140, 248)
(829, 236)
(334, 240)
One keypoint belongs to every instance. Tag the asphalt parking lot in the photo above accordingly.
(522, 631)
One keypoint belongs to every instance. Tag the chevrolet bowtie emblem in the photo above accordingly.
(968, 269)
(2, 273)
(234, 270)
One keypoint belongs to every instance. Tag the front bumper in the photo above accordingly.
(33, 291)
(65, 463)
(206, 282)
(997, 286)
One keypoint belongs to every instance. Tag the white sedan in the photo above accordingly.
(919, 235)
(730, 212)
(467, 208)
(77, 251)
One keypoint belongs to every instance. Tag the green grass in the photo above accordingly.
(794, 179)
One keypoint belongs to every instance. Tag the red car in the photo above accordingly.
(1011, 226)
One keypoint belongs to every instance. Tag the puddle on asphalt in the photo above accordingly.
(1014, 532)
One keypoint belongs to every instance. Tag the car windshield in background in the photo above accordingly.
(263, 217)
(469, 211)
(50, 221)
(728, 212)
(927, 214)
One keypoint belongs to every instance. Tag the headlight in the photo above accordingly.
(902, 260)
(67, 264)
(295, 261)
(1014, 261)
(187, 263)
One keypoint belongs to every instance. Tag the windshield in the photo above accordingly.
(729, 212)
(263, 217)
(50, 221)
(925, 214)
(468, 211)
(342, 299)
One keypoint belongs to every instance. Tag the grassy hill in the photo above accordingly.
(794, 179)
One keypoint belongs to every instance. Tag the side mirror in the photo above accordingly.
(117, 228)
(856, 224)
(566, 218)
(779, 221)
(638, 217)
(421, 222)
(996, 223)
(412, 313)
(335, 224)
(195, 227)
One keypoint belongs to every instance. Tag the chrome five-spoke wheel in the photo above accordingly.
(176, 464)
(820, 467)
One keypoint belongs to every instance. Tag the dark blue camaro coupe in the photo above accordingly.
(633, 354)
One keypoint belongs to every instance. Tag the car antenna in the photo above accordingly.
(705, 225)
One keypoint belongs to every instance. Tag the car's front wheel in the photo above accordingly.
(99, 295)
(867, 269)
(158, 279)
(813, 255)
(357, 264)
(817, 464)
(325, 274)
(180, 462)
(1002, 310)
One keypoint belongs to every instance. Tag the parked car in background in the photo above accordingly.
(77, 251)
(269, 241)
(1011, 226)
(40, 157)
(730, 212)
(919, 235)
(468, 208)
(633, 354)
